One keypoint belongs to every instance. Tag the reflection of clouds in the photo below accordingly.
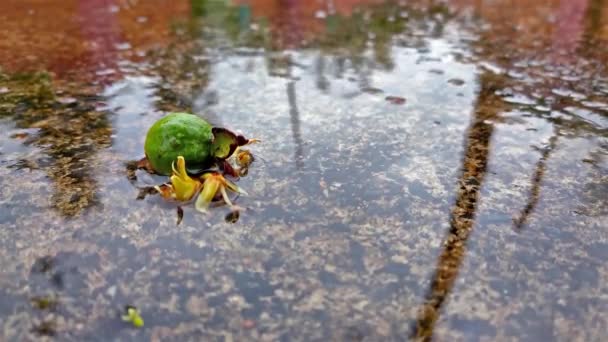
(132, 99)
(306, 122)
(411, 153)
(132, 95)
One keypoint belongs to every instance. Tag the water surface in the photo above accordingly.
(429, 170)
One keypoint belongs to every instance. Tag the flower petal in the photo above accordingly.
(180, 170)
(225, 196)
(233, 187)
(184, 190)
(210, 187)
(165, 190)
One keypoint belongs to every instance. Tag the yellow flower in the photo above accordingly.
(132, 315)
(212, 183)
(182, 187)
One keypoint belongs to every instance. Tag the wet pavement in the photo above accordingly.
(429, 170)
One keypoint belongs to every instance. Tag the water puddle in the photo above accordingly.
(422, 173)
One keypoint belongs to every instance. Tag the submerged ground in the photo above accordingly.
(429, 170)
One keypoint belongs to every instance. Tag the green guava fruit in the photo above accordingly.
(189, 136)
(179, 134)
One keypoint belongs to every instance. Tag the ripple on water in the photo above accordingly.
(520, 99)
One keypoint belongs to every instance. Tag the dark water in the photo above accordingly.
(429, 170)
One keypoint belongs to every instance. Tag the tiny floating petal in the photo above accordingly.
(133, 316)
(210, 188)
(214, 182)
(165, 190)
(225, 196)
(233, 187)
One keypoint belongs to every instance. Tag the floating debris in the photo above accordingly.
(396, 100)
(372, 90)
(66, 100)
(248, 324)
(44, 302)
(46, 328)
(456, 81)
(232, 216)
(180, 215)
(132, 315)
(520, 100)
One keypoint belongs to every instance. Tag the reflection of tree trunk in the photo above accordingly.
(321, 81)
(591, 22)
(295, 122)
(593, 25)
(463, 213)
(536, 181)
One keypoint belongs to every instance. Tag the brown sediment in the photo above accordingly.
(70, 133)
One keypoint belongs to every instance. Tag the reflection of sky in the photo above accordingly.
(330, 119)
(370, 200)
(132, 100)
(8, 145)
